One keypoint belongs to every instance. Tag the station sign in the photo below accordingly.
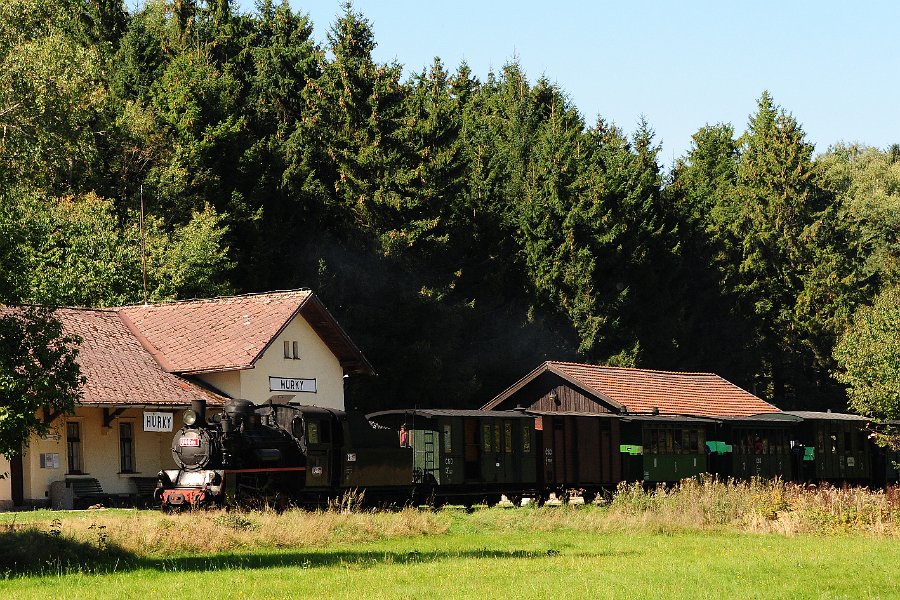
(289, 384)
(158, 421)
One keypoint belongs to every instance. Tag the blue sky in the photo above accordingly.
(833, 65)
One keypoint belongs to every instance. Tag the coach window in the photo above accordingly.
(486, 436)
(507, 435)
(657, 441)
(526, 439)
(73, 446)
(448, 439)
(126, 447)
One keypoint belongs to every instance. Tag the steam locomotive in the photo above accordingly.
(279, 453)
(290, 453)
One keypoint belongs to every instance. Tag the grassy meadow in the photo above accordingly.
(699, 540)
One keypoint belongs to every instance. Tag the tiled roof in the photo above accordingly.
(644, 391)
(118, 370)
(225, 334)
(212, 335)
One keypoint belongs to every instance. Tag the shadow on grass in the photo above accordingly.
(30, 552)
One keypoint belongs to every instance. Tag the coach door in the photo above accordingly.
(471, 450)
(319, 450)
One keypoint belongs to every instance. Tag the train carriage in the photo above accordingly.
(468, 455)
(669, 448)
(578, 451)
(764, 445)
(837, 447)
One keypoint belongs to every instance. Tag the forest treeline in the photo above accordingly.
(461, 230)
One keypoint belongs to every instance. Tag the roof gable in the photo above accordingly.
(645, 391)
(228, 334)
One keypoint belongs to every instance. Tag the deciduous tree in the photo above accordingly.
(39, 375)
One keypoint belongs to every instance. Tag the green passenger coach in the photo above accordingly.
(456, 448)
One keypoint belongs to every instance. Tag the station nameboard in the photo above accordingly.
(289, 384)
(158, 421)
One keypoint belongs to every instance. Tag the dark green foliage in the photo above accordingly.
(461, 230)
(774, 236)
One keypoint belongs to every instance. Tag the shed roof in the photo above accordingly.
(230, 334)
(645, 391)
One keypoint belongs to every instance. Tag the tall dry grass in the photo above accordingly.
(708, 504)
(145, 533)
(762, 506)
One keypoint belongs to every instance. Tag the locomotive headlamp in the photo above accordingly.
(190, 417)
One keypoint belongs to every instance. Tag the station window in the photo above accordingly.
(292, 350)
(126, 447)
(73, 446)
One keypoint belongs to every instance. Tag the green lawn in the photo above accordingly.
(487, 555)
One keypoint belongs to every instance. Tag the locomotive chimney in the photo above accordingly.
(199, 407)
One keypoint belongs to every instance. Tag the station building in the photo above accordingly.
(145, 364)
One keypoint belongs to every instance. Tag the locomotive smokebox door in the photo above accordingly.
(191, 448)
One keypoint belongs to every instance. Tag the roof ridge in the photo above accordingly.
(617, 368)
(215, 299)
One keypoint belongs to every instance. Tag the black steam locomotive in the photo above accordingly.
(291, 453)
(279, 453)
